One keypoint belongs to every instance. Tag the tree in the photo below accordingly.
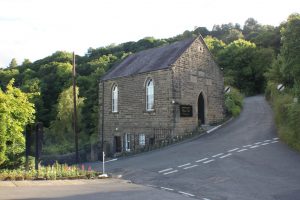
(290, 50)
(15, 113)
(13, 63)
(60, 132)
(214, 45)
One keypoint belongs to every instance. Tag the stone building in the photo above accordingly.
(159, 94)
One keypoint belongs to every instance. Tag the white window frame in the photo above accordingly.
(127, 141)
(114, 98)
(149, 96)
(142, 139)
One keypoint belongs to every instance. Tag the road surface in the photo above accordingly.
(243, 160)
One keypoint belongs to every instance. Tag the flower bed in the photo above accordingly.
(52, 172)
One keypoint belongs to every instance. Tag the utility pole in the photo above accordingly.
(75, 110)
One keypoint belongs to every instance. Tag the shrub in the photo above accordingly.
(234, 102)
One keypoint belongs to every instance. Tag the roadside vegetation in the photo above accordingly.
(234, 102)
(286, 71)
(52, 172)
(252, 57)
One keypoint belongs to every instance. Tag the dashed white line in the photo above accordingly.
(184, 165)
(274, 141)
(258, 143)
(205, 199)
(165, 188)
(231, 150)
(226, 155)
(187, 194)
(190, 167)
(201, 160)
(265, 143)
(151, 185)
(249, 145)
(208, 161)
(242, 150)
(255, 146)
(276, 138)
(170, 172)
(217, 155)
(164, 170)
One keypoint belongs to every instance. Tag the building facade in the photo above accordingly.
(159, 94)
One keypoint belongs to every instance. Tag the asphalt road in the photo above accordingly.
(243, 160)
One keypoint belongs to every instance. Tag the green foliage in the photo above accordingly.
(52, 172)
(234, 102)
(286, 70)
(60, 133)
(214, 45)
(13, 63)
(15, 113)
(245, 65)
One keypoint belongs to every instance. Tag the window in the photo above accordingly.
(149, 95)
(142, 139)
(114, 98)
(127, 142)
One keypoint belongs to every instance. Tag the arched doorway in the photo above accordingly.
(201, 109)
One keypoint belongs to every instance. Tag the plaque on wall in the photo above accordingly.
(186, 111)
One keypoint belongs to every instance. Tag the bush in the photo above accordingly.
(287, 118)
(234, 102)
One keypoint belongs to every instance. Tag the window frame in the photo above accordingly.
(115, 98)
(142, 139)
(148, 105)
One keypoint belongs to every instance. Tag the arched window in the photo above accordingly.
(114, 98)
(149, 95)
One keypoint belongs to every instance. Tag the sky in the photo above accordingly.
(34, 29)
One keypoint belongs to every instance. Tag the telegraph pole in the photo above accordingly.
(75, 110)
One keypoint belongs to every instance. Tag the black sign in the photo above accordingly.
(186, 111)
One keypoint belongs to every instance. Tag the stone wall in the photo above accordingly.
(193, 73)
(196, 72)
(132, 116)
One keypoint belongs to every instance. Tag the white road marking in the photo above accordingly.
(165, 188)
(213, 129)
(151, 185)
(208, 161)
(184, 165)
(242, 150)
(164, 170)
(255, 146)
(190, 167)
(249, 145)
(185, 193)
(205, 199)
(274, 141)
(231, 150)
(170, 172)
(217, 155)
(110, 160)
(276, 138)
(201, 160)
(226, 155)
(265, 143)
(258, 143)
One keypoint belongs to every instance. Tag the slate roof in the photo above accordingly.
(149, 60)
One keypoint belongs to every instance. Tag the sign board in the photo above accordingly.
(186, 111)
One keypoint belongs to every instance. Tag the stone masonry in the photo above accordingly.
(193, 73)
